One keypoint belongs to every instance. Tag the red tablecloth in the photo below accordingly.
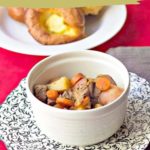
(136, 32)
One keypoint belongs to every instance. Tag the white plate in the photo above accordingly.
(19, 131)
(15, 37)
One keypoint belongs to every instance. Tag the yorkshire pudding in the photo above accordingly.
(17, 13)
(92, 10)
(55, 25)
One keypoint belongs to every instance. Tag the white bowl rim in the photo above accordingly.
(78, 111)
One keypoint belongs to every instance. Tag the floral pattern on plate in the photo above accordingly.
(19, 130)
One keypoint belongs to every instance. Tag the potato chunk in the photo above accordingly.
(60, 85)
(110, 95)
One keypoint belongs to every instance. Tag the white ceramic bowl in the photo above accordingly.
(80, 127)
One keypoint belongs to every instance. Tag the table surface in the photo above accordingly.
(136, 32)
(138, 61)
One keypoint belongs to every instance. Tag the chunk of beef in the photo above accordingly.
(94, 93)
(91, 88)
(67, 94)
(40, 92)
(80, 90)
(51, 102)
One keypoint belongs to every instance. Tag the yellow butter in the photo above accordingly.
(56, 24)
(70, 32)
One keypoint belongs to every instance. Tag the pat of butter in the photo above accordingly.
(70, 31)
(56, 24)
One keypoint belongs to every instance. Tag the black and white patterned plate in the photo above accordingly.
(19, 130)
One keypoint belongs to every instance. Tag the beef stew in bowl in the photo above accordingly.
(79, 92)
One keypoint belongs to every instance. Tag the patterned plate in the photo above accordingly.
(19, 130)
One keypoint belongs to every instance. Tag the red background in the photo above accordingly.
(136, 32)
(2, 145)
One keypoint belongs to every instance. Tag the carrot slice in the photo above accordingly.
(85, 104)
(52, 94)
(85, 101)
(64, 102)
(103, 84)
(76, 78)
(59, 106)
